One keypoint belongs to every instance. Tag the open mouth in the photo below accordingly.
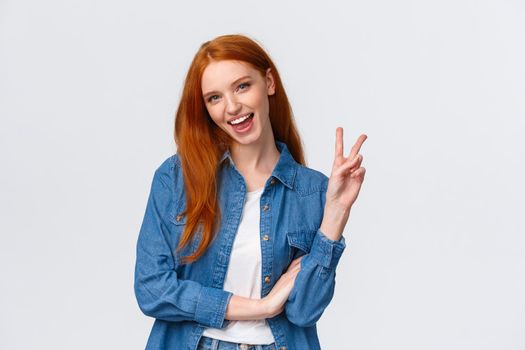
(241, 120)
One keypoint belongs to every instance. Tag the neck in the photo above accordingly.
(258, 157)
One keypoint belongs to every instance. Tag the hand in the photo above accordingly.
(275, 300)
(343, 187)
(347, 175)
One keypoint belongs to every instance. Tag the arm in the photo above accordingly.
(315, 284)
(161, 294)
(271, 305)
(159, 291)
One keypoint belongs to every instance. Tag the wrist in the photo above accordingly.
(334, 221)
(264, 307)
(271, 307)
(241, 308)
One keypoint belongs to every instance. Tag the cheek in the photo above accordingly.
(264, 105)
(260, 101)
(214, 114)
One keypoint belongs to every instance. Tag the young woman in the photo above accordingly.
(240, 240)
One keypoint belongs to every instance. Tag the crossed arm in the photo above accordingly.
(307, 287)
(303, 291)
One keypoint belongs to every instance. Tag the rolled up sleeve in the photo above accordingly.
(315, 283)
(211, 307)
(327, 252)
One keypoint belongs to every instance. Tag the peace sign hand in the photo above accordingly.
(343, 186)
(347, 174)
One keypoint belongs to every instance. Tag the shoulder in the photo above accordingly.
(169, 164)
(168, 172)
(302, 179)
(309, 180)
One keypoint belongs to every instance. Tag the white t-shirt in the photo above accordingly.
(243, 277)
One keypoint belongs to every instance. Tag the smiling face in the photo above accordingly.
(236, 97)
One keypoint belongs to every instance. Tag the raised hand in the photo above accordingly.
(344, 185)
(347, 174)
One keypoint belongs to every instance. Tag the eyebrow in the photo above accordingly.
(235, 82)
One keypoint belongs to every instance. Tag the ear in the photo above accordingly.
(270, 82)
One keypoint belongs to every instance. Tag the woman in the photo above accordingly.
(240, 240)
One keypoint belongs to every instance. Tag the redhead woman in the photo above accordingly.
(240, 240)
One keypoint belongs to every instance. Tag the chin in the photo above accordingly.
(247, 140)
(253, 136)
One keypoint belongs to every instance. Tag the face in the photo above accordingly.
(236, 97)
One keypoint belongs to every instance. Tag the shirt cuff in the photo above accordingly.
(211, 307)
(325, 251)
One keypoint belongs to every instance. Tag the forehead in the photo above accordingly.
(220, 74)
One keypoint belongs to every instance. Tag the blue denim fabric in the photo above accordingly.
(206, 343)
(184, 299)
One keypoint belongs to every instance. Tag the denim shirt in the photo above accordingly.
(184, 299)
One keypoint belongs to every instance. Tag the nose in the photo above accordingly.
(232, 105)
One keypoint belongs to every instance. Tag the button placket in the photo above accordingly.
(266, 246)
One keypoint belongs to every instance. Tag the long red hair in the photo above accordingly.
(200, 143)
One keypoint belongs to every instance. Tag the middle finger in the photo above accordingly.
(357, 146)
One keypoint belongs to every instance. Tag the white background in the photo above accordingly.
(88, 92)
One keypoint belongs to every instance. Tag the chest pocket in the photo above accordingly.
(178, 219)
(300, 243)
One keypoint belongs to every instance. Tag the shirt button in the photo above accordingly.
(179, 217)
(267, 279)
(266, 207)
(283, 347)
(272, 181)
(266, 237)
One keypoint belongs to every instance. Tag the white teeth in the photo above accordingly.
(240, 120)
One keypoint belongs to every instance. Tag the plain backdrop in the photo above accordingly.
(436, 255)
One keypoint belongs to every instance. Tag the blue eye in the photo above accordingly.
(210, 99)
(244, 84)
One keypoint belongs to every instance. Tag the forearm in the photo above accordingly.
(334, 222)
(241, 308)
(314, 286)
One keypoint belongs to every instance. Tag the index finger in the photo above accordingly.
(357, 146)
(339, 142)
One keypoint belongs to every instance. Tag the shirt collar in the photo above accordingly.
(285, 169)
